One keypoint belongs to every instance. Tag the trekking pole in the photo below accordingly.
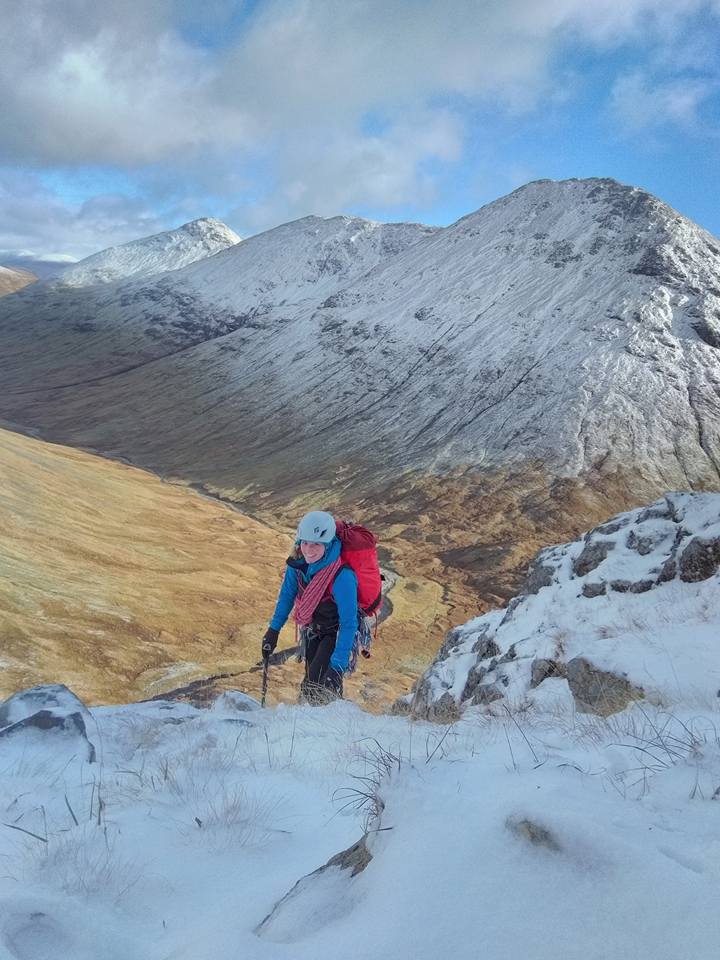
(266, 664)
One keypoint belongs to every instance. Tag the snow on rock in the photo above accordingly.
(318, 899)
(47, 709)
(171, 250)
(236, 700)
(629, 611)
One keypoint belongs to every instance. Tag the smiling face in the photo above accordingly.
(312, 552)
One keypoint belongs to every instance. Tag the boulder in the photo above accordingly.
(485, 647)
(592, 555)
(631, 586)
(47, 709)
(487, 693)
(539, 575)
(443, 710)
(55, 697)
(700, 559)
(315, 900)
(599, 691)
(543, 668)
(236, 700)
(474, 679)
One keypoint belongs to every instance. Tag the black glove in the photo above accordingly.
(333, 680)
(269, 641)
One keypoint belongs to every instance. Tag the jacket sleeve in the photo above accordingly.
(286, 599)
(344, 592)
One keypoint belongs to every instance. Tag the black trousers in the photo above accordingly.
(319, 648)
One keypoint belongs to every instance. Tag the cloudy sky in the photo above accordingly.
(126, 117)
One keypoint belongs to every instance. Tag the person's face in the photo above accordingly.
(312, 552)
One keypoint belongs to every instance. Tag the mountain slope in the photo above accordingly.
(170, 250)
(475, 391)
(571, 323)
(14, 278)
(119, 584)
(126, 587)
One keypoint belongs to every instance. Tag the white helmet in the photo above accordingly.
(316, 527)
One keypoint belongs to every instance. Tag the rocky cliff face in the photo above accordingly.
(619, 615)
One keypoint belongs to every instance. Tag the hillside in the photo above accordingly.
(14, 278)
(125, 587)
(473, 391)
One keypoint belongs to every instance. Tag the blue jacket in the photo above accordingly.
(344, 592)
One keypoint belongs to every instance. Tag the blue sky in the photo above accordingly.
(123, 119)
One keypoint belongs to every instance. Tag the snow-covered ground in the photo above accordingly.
(543, 834)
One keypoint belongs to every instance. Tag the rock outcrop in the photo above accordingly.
(47, 709)
(619, 615)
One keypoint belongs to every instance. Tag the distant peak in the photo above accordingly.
(204, 226)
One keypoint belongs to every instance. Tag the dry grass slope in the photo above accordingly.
(121, 585)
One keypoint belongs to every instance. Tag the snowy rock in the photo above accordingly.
(317, 899)
(592, 556)
(700, 559)
(628, 611)
(539, 574)
(44, 709)
(55, 698)
(599, 691)
(542, 668)
(236, 701)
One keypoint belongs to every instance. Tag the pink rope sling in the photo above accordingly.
(311, 594)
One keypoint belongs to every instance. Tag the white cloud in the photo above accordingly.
(641, 102)
(288, 92)
(36, 219)
(83, 82)
(328, 174)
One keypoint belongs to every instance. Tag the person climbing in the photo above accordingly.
(324, 591)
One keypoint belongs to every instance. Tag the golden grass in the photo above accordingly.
(124, 586)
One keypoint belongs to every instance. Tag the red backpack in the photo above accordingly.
(359, 551)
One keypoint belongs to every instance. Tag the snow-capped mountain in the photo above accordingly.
(170, 250)
(571, 324)
(14, 278)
